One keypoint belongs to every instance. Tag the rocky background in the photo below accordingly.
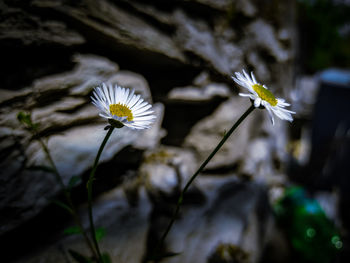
(179, 55)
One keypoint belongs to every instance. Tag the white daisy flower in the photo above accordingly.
(122, 107)
(263, 97)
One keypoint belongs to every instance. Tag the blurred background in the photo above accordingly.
(271, 194)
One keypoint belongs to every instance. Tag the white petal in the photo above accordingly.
(142, 109)
(253, 77)
(134, 100)
(111, 94)
(144, 118)
(244, 94)
(246, 75)
(270, 113)
(106, 93)
(126, 96)
(137, 104)
(143, 113)
(257, 102)
(104, 116)
(131, 95)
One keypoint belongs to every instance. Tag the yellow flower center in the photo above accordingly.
(265, 94)
(121, 110)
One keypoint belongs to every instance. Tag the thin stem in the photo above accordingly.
(68, 198)
(52, 163)
(89, 188)
(180, 200)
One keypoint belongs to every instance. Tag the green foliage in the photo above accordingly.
(312, 235)
(26, 120)
(323, 44)
(106, 258)
(100, 233)
(73, 230)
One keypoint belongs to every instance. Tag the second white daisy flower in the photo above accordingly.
(263, 97)
(122, 107)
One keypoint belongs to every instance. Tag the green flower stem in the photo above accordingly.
(89, 188)
(52, 163)
(180, 200)
(68, 197)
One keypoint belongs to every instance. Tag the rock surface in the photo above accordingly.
(177, 164)
(179, 55)
(60, 105)
(205, 93)
(222, 220)
(126, 224)
(208, 132)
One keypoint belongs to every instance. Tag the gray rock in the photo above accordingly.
(202, 79)
(72, 129)
(119, 28)
(131, 80)
(9, 96)
(207, 133)
(171, 36)
(244, 6)
(260, 66)
(304, 95)
(264, 35)
(234, 214)
(77, 147)
(160, 178)
(196, 37)
(329, 202)
(18, 25)
(205, 93)
(163, 17)
(150, 35)
(259, 162)
(126, 229)
(167, 169)
(90, 71)
(220, 4)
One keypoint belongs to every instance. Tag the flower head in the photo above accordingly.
(262, 96)
(122, 107)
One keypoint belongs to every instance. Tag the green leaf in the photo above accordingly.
(100, 233)
(106, 258)
(62, 205)
(79, 257)
(24, 118)
(74, 180)
(35, 126)
(73, 230)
